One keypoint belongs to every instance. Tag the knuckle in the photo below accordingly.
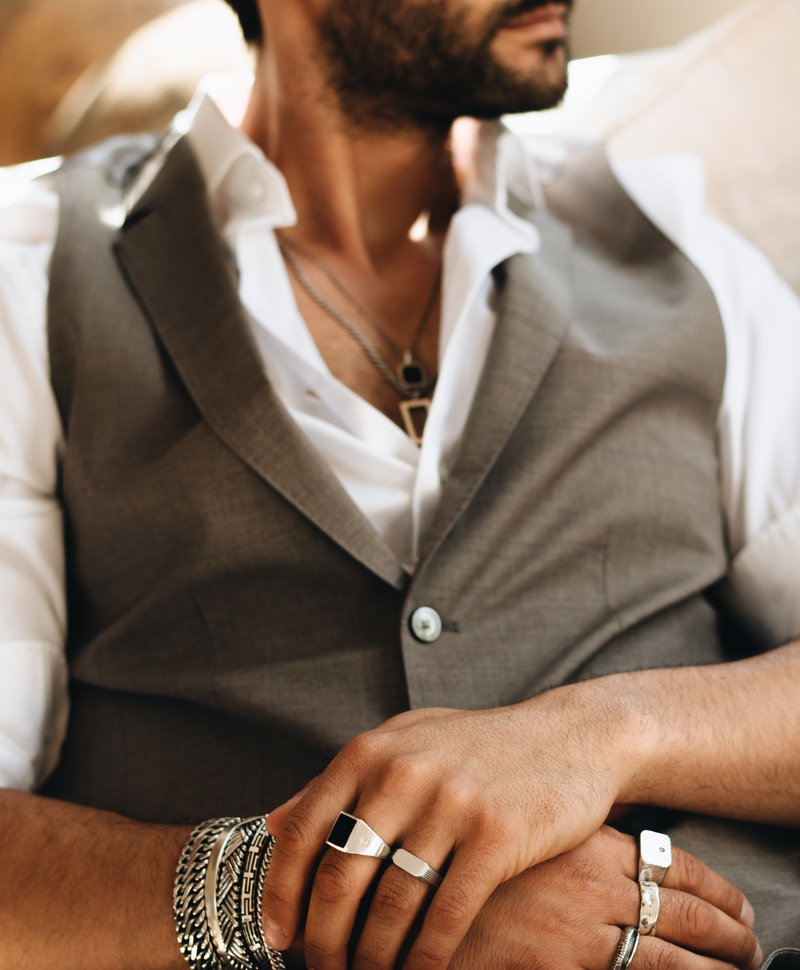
(428, 956)
(691, 871)
(393, 903)
(374, 956)
(318, 954)
(360, 748)
(697, 918)
(455, 795)
(297, 834)
(668, 958)
(403, 773)
(334, 879)
(451, 911)
(583, 881)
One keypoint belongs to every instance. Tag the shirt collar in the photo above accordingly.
(496, 172)
(244, 184)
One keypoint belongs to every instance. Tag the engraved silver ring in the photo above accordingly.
(353, 835)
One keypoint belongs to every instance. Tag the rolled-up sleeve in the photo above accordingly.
(33, 678)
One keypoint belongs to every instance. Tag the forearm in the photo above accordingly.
(723, 739)
(85, 889)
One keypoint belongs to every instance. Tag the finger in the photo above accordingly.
(395, 909)
(692, 876)
(340, 884)
(699, 925)
(470, 879)
(342, 881)
(298, 846)
(280, 813)
(655, 954)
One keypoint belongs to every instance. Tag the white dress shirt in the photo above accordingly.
(395, 483)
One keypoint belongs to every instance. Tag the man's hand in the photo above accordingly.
(480, 795)
(484, 796)
(566, 914)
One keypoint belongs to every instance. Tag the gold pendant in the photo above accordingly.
(414, 413)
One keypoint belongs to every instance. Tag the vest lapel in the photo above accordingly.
(176, 262)
(533, 317)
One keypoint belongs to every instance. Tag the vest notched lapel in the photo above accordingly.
(185, 279)
(532, 320)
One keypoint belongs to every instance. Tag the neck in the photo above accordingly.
(357, 192)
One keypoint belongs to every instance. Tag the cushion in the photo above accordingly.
(730, 94)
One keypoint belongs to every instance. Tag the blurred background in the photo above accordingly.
(719, 79)
(619, 26)
(71, 70)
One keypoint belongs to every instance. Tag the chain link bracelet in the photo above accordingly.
(189, 895)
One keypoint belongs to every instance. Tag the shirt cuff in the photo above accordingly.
(33, 711)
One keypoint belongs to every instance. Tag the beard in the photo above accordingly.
(399, 63)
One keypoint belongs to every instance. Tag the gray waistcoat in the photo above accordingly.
(234, 619)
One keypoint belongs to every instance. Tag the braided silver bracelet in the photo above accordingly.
(219, 884)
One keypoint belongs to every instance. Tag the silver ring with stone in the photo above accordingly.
(648, 908)
(416, 867)
(626, 949)
(353, 835)
(655, 856)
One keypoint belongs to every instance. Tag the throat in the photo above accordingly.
(392, 366)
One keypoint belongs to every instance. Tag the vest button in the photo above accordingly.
(426, 624)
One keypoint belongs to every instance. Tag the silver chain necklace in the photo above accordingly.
(410, 379)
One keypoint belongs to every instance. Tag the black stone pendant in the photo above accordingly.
(413, 375)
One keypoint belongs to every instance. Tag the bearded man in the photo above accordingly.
(418, 485)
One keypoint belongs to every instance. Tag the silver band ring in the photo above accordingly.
(655, 856)
(626, 949)
(353, 835)
(649, 906)
(416, 867)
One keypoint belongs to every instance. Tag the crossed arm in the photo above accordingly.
(488, 795)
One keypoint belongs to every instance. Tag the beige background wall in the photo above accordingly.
(613, 26)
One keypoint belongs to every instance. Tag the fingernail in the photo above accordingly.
(747, 915)
(274, 935)
(758, 959)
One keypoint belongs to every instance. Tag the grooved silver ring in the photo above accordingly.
(626, 949)
(416, 867)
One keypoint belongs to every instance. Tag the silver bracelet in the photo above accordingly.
(189, 894)
(223, 895)
(219, 885)
(254, 876)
